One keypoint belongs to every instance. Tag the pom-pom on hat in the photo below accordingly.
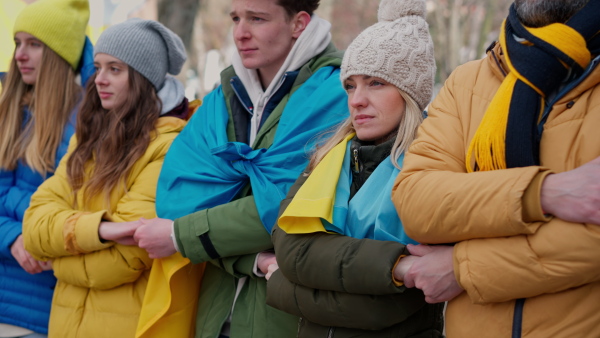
(146, 46)
(397, 49)
(59, 24)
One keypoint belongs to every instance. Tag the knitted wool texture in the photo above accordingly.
(146, 46)
(59, 24)
(397, 49)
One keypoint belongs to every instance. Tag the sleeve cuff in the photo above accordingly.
(397, 282)
(173, 237)
(187, 231)
(531, 200)
(255, 269)
(86, 233)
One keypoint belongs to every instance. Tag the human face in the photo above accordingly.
(264, 35)
(28, 54)
(112, 80)
(376, 107)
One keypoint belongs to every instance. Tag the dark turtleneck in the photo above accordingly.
(364, 159)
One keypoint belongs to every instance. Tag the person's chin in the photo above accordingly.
(107, 105)
(250, 63)
(28, 80)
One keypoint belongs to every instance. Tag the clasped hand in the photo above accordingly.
(152, 235)
(429, 268)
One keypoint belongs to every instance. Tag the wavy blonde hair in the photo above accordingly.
(407, 132)
(56, 93)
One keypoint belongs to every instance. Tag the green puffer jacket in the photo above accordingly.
(351, 294)
(237, 234)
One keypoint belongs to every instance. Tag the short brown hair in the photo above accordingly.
(295, 6)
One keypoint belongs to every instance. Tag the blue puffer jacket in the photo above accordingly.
(24, 298)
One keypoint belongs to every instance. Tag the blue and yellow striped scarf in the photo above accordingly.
(539, 60)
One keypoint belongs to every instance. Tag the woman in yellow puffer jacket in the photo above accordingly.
(82, 219)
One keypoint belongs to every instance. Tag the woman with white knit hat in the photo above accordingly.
(83, 218)
(38, 109)
(340, 209)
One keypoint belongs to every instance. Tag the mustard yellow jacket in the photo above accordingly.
(506, 248)
(100, 285)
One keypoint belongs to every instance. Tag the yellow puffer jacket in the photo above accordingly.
(100, 285)
(502, 255)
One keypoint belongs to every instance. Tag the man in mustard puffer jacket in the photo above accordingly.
(507, 167)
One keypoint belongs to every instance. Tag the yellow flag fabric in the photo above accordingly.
(170, 302)
(315, 199)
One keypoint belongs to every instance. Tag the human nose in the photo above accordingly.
(100, 78)
(240, 30)
(21, 53)
(358, 97)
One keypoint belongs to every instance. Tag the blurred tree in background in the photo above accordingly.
(461, 29)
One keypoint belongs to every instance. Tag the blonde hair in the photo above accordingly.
(407, 132)
(56, 93)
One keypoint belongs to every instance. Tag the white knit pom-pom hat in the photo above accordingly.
(397, 49)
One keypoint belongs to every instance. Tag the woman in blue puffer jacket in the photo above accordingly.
(38, 106)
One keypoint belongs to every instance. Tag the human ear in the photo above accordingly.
(299, 23)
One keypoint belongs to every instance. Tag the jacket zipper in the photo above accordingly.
(249, 109)
(518, 318)
(356, 166)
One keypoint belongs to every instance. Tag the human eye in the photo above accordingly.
(376, 83)
(235, 18)
(348, 86)
(115, 69)
(257, 19)
(36, 43)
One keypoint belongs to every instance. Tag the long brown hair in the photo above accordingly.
(111, 141)
(407, 132)
(50, 102)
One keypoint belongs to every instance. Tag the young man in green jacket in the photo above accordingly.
(224, 177)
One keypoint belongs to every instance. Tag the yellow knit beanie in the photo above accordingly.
(60, 24)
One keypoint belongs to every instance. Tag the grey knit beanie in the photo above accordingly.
(146, 46)
(397, 49)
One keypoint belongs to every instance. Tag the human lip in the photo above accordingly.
(25, 70)
(247, 50)
(104, 95)
(362, 118)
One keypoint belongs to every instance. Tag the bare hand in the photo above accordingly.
(25, 260)
(403, 266)
(574, 195)
(265, 259)
(119, 232)
(433, 272)
(272, 268)
(154, 235)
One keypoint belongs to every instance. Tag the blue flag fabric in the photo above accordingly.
(203, 169)
(371, 212)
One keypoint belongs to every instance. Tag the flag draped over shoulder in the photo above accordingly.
(203, 169)
(322, 203)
